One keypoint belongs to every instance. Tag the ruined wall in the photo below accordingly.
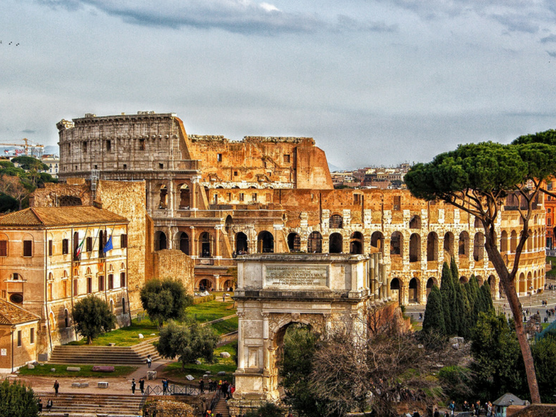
(128, 200)
(261, 162)
(176, 265)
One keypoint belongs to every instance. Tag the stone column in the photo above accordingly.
(266, 345)
(218, 229)
(193, 242)
(240, 347)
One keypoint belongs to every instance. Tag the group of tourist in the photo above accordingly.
(475, 409)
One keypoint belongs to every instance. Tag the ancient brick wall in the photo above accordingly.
(176, 265)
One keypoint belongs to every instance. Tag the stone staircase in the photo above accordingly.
(221, 407)
(103, 355)
(77, 404)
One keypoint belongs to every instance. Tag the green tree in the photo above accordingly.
(498, 366)
(189, 343)
(544, 352)
(16, 400)
(92, 317)
(434, 314)
(165, 300)
(300, 344)
(477, 178)
(448, 300)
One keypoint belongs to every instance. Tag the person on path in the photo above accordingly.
(436, 413)
(142, 385)
(149, 361)
(133, 386)
(56, 387)
(452, 407)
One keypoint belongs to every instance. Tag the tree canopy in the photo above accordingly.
(165, 300)
(93, 317)
(477, 178)
(189, 343)
(16, 400)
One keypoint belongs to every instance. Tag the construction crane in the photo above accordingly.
(26, 146)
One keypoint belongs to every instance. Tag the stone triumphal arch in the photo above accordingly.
(323, 291)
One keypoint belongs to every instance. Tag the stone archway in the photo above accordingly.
(276, 290)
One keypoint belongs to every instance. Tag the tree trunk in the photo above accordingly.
(509, 288)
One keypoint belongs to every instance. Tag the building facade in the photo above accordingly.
(213, 199)
(50, 258)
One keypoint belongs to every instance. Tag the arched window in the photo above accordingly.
(205, 240)
(356, 243)
(184, 243)
(415, 222)
(463, 244)
(336, 221)
(415, 248)
(449, 243)
(396, 244)
(314, 243)
(265, 242)
(241, 243)
(504, 242)
(479, 247)
(160, 242)
(294, 242)
(432, 247)
(377, 243)
(414, 290)
(335, 243)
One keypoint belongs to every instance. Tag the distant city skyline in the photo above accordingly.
(373, 82)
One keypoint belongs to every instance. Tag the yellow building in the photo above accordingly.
(51, 257)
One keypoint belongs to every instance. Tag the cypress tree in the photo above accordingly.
(434, 314)
(475, 301)
(487, 298)
(446, 290)
(454, 270)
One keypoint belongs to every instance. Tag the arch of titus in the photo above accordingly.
(324, 291)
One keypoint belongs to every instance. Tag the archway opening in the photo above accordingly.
(205, 284)
(184, 243)
(413, 290)
(314, 244)
(159, 241)
(336, 221)
(396, 289)
(241, 243)
(205, 245)
(414, 248)
(430, 283)
(356, 243)
(335, 243)
(294, 242)
(377, 243)
(265, 242)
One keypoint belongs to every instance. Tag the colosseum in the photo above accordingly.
(214, 199)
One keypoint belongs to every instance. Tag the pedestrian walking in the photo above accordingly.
(133, 386)
(452, 407)
(142, 385)
(56, 387)
(149, 361)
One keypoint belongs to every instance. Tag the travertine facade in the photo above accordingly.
(213, 199)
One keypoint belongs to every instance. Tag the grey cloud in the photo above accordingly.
(549, 38)
(517, 23)
(28, 131)
(346, 23)
(237, 16)
(551, 53)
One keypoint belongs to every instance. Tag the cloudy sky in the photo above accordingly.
(373, 81)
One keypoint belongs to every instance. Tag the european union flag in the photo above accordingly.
(108, 246)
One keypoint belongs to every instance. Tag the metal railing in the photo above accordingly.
(171, 390)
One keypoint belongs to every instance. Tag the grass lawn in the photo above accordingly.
(226, 326)
(126, 336)
(86, 371)
(174, 370)
(211, 310)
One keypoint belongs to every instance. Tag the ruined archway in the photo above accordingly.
(314, 243)
(294, 242)
(241, 243)
(335, 243)
(356, 243)
(265, 242)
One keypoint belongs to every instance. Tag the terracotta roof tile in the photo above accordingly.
(60, 216)
(12, 314)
